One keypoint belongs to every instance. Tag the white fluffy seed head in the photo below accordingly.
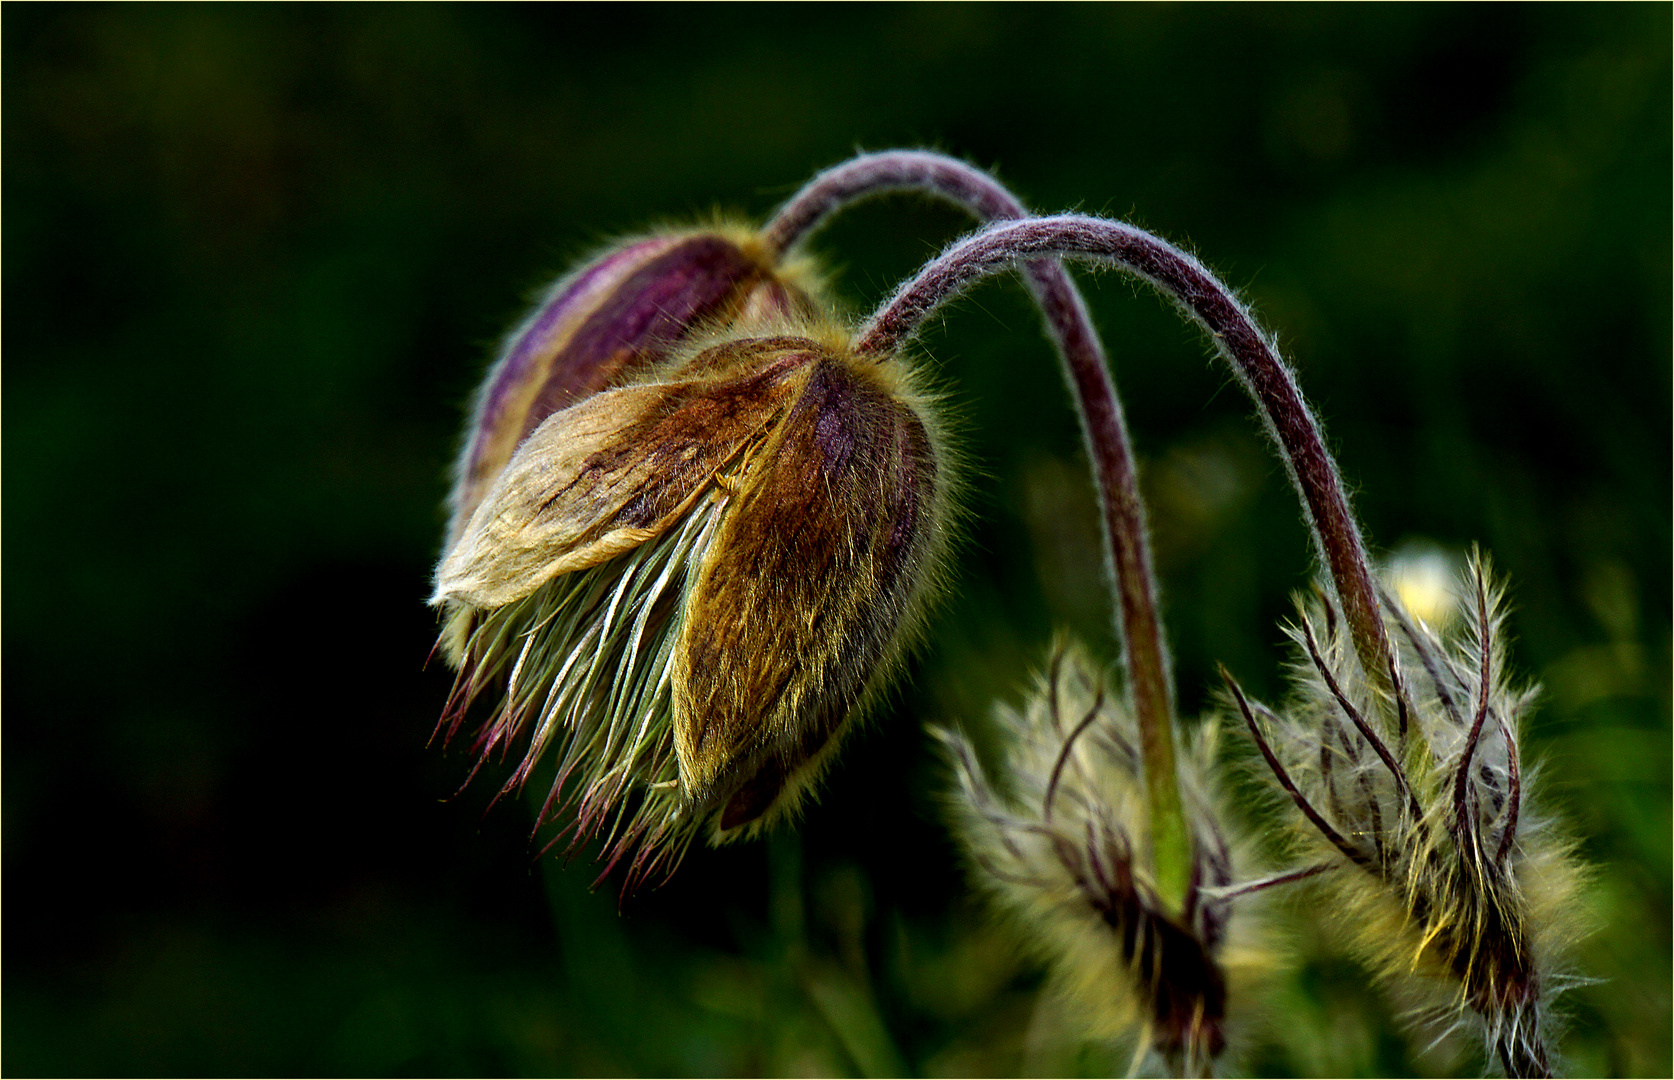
(1448, 882)
(1057, 835)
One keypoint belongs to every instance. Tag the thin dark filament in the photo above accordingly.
(1011, 845)
(1005, 822)
(1052, 695)
(1485, 774)
(1329, 608)
(1350, 751)
(1371, 798)
(1514, 796)
(665, 861)
(1063, 755)
(1087, 803)
(980, 797)
(1021, 826)
(1429, 662)
(1462, 776)
(1096, 863)
(1353, 754)
(1122, 749)
(1073, 864)
(1400, 702)
(1325, 755)
(1005, 875)
(1220, 897)
(966, 762)
(549, 807)
(1325, 762)
(1302, 804)
(569, 850)
(1003, 826)
(1359, 722)
(1221, 855)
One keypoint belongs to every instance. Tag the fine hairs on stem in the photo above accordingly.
(1209, 302)
(1139, 628)
(1440, 876)
(697, 525)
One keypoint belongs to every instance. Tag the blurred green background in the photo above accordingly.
(254, 262)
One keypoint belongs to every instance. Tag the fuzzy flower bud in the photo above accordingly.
(1417, 799)
(1060, 837)
(689, 586)
(614, 319)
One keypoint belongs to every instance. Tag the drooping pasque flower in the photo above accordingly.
(690, 584)
(612, 322)
(615, 321)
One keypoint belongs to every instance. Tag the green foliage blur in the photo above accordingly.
(256, 258)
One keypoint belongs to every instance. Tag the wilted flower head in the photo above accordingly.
(1413, 790)
(1060, 837)
(688, 585)
(616, 318)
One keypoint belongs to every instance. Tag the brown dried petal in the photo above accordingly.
(801, 596)
(614, 471)
(615, 318)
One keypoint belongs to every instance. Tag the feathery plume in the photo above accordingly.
(1060, 837)
(1417, 797)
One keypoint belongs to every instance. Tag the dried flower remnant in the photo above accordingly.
(616, 318)
(1418, 800)
(690, 586)
(1059, 837)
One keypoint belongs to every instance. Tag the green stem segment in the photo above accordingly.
(1140, 625)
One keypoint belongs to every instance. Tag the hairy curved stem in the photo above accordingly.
(1139, 625)
(870, 175)
(1236, 335)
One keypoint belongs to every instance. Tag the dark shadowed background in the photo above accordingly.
(254, 262)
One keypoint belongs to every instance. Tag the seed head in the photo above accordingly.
(689, 586)
(1060, 838)
(612, 320)
(1417, 797)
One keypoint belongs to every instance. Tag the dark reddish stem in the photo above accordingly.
(871, 175)
(1145, 655)
(1462, 775)
(1236, 335)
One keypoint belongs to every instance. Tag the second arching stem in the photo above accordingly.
(1139, 625)
(1252, 357)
